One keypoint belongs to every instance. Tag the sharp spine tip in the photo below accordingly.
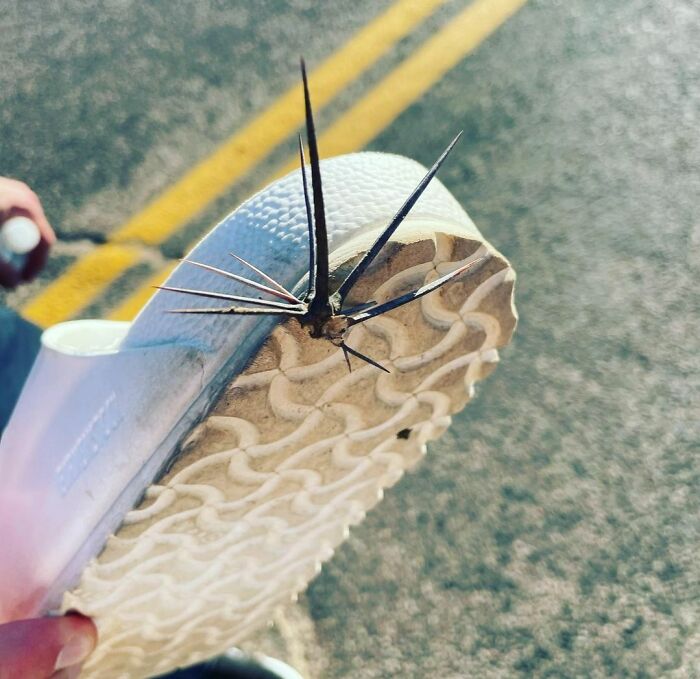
(414, 295)
(345, 355)
(396, 221)
(363, 357)
(234, 298)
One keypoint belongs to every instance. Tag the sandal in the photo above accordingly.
(191, 471)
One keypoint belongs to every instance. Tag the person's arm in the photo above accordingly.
(46, 648)
(17, 199)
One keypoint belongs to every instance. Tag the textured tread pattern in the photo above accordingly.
(295, 451)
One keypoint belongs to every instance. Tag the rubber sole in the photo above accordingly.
(295, 451)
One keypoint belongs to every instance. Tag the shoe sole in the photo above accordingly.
(295, 451)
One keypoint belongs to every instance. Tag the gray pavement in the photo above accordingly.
(554, 530)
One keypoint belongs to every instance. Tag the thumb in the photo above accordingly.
(35, 649)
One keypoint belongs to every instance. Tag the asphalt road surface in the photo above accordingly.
(554, 530)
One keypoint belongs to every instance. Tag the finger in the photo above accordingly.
(36, 259)
(35, 649)
(35, 211)
(16, 198)
(14, 193)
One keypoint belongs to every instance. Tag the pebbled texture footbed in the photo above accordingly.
(296, 448)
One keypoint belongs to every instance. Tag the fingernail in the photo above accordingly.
(75, 651)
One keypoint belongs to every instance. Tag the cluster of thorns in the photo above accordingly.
(318, 309)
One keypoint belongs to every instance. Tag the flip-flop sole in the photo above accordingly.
(294, 452)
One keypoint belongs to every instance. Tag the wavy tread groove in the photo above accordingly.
(289, 458)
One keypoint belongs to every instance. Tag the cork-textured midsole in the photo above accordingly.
(295, 451)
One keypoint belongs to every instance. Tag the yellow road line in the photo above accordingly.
(412, 78)
(245, 149)
(208, 179)
(132, 304)
(94, 272)
(388, 99)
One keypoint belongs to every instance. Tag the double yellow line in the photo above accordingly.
(85, 280)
